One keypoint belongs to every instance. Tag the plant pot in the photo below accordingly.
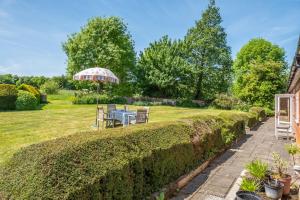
(245, 195)
(287, 184)
(274, 189)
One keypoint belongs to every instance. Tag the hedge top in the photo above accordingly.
(8, 90)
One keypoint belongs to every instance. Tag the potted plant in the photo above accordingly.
(280, 173)
(273, 189)
(258, 171)
(248, 189)
(292, 149)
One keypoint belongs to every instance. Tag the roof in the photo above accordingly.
(295, 66)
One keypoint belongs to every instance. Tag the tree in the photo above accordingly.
(103, 42)
(162, 71)
(260, 71)
(209, 53)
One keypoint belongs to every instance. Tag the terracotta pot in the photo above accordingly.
(287, 184)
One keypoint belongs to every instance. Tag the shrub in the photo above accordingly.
(259, 112)
(224, 101)
(186, 103)
(257, 169)
(124, 164)
(26, 101)
(8, 97)
(269, 112)
(31, 89)
(142, 103)
(102, 99)
(50, 87)
(250, 185)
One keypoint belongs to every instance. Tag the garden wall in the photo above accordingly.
(124, 163)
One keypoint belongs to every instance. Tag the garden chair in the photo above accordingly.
(110, 108)
(148, 112)
(126, 108)
(141, 117)
(103, 118)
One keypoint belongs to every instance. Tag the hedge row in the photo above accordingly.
(8, 96)
(102, 99)
(25, 97)
(128, 163)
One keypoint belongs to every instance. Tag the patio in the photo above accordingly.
(216, 181)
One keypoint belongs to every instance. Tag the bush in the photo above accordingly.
(8, 97)
(259, 112)
(250, 185)
(50, 87)
(257, 169)
(142, 103)
(26, 101)
(224, 101)
(124, 164)
(269, 112)
(186, 103)
(32, 90)
(102, 99)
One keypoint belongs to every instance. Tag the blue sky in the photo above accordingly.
(32, 31)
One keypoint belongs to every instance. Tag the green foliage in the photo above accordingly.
(280, 166)
(224, 101)
(269, 112)
(8, 96)
(141, 103)
(50, 87)
(120, 163)
(161, 196)
(250, 185)
(292, 149)
(103, 42)
(259, 112)
(32, 90)
(162, 70)
(257, 169)
(102, 99)
(184, 102)
(26, 101)
(209, 54)
(8, 79)
(260, 71)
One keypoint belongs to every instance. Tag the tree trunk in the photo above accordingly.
(198, 93)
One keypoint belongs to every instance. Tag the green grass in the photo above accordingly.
(60, 118)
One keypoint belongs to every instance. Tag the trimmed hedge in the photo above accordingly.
(32, 90)
(102, 99)
(8, 97)
(259, 112)
(26, 101)
(128, 163)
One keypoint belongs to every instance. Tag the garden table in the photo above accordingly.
(123, 116)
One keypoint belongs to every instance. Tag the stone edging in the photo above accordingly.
(235, 187)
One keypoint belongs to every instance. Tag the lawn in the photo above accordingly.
(60, 118)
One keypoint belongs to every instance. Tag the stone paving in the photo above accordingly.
(216, 180)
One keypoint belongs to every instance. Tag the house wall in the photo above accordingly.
(296, 112)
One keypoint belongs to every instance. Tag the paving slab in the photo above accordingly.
(216, 180)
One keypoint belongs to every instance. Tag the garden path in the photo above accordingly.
(216, 180)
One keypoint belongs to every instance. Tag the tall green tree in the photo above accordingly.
(103, 42)
(209, 54)
(260, 71)
(162, 70)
